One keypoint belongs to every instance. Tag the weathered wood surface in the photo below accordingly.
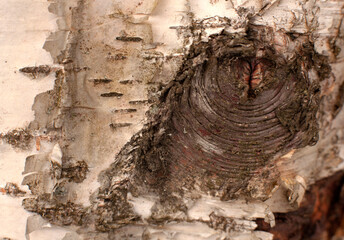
(112, 61)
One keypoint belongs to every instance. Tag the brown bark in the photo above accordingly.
(320, 216)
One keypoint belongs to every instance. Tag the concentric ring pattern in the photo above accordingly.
(227, 120)
(237, 105)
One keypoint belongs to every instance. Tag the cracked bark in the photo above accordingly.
(194, 120)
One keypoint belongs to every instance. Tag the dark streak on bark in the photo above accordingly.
(129, 39)
(101, 81)
(111, 94)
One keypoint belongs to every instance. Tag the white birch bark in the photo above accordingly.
(107, 59)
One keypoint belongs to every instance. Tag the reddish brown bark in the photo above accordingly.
(320, 217)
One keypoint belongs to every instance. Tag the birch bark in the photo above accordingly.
(110, 63)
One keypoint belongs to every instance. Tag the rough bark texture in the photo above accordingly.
(235, 107)
(189, 120)
(320, 215)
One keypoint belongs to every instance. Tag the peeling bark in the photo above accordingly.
(188, 120)
(320, 215)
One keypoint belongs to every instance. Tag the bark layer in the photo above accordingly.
(237, 105)
(207, 145)
(320, 216)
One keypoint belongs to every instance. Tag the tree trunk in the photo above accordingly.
(184, 120)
